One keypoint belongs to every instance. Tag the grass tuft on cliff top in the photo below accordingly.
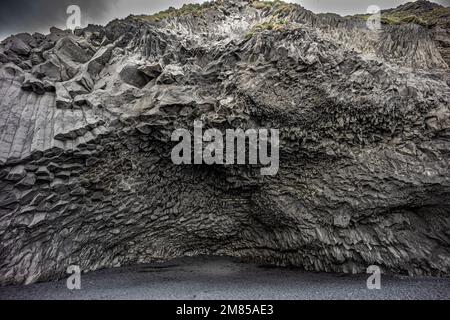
(193, 9)
(277, 5)
(274, 24)
(439, 16)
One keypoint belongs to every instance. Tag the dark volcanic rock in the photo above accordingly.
(16, 45)
(152, 70)
(86, 176)
(131, 74)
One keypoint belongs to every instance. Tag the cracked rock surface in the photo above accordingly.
(86, 120)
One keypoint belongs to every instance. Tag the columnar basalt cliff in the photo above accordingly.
(86, 119)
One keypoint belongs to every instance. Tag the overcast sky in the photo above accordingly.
(39, 15)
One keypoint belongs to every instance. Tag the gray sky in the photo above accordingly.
(39, 15)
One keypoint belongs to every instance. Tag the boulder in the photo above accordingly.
(171, 74)
(28, 39)
(50, 69)
(152, 70)
(99, 60)
(131, 75)
(16, 45)
(68, 49)
(33, 84)
(36, 57)
(79, 85)
(49, 86)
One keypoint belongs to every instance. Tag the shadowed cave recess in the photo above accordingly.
(86, 176)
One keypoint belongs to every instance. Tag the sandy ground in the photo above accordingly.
(206, 278)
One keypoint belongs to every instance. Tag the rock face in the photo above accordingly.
(86, 119)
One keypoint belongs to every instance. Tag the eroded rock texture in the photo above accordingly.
(86, 119)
